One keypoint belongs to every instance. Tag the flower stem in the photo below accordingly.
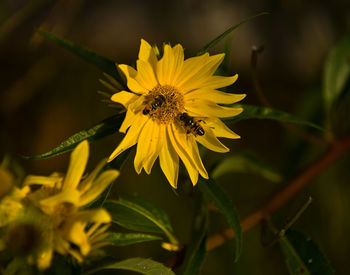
(335, 151)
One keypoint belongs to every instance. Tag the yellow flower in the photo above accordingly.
(173, 104)
(71, 230)
(10, 198)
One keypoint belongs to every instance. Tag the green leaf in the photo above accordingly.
(138, 214)
(197, 247)
(141, 265)
(259, 112)
(245, 163)
(217, 196)
(224, 34)
(124, 239)
(336, 72)
(106, 127)
(303, 256)
(103, 63)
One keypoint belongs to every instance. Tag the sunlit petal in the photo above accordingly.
(124, 98)
(214, 96)
(208, 108)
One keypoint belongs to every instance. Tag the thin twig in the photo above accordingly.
(335, 151)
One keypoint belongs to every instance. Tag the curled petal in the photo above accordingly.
(220, 129)
(183, 152)
(169, 161)
(210, 141)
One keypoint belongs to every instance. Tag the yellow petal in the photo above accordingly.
(208, 108)
(200, 75)
(154, 147)
(130, 74)
(183, 153)
(216, 82)
(124, 98)
(10, 208)
(44, 258)
(209, 141)
(215, 96)
(188, 143)
(147, 54)
(78, 161)
(170, 66)
(145, 75)
(86, 183)
(68, 196)
(98, 186)
(41, 180)
(220, 129)
(94, 216)
(192, 145)
(78, 237)
(127, 122)
(131, 136)
(144, 143)
(169, 161)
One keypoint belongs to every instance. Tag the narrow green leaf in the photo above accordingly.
(245, 163)
(124, 239)
(336, 72)
(138, 214)
(106, 127)
(140, 265)
(217, 196)
(197, 247)
(224, 34)
(259, 112)
(103, 63)
(303, 256)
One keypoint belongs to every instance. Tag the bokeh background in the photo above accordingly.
(48, 94)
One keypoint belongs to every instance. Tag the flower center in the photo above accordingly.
(163, 104)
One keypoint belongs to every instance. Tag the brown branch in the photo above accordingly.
(279, 199)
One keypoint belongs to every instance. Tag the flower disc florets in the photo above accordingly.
(163, 104)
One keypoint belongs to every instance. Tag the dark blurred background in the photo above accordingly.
(48, 94)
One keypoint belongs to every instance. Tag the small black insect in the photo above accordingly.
(191, 125)
(157, 102)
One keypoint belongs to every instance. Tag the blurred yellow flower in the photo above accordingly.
(67, 229)
(173, 104)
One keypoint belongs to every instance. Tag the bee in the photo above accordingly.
(191, 124)
(157, 102)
